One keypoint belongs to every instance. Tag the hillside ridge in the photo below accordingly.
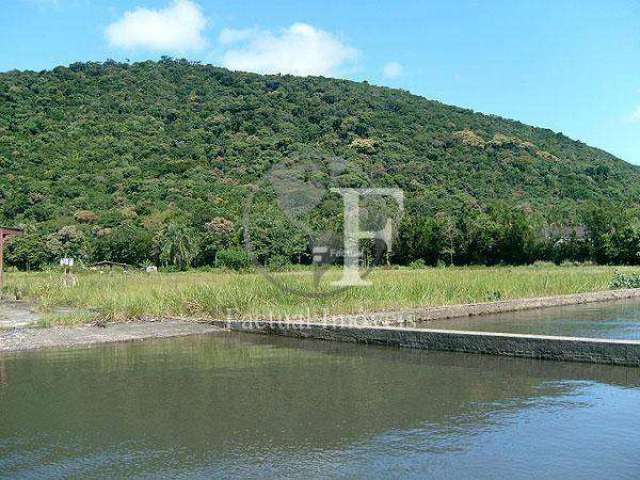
(96, 148)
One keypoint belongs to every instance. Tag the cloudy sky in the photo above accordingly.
(569, 65)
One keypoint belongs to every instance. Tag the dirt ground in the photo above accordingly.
(17, 315)
(29, 338)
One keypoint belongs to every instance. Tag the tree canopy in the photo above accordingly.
(153, 161)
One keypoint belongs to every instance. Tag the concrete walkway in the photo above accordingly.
(570, 349)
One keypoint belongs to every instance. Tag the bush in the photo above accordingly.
(233, 259)
(278, 263)
(417, 264)
(625, 280)
(27, 252)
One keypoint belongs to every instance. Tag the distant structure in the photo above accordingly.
(6, 233)
(108, 265)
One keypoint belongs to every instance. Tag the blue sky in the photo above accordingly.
(569, 65)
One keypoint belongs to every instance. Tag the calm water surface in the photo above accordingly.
(233, 406)
(616, 320)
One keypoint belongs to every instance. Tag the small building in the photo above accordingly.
(108, 265)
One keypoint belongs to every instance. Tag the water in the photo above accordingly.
(616, 320)
(242, 406)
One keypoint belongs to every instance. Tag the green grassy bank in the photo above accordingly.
(121, 297)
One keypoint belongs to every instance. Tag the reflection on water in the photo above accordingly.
(238, 406)
(617, 320)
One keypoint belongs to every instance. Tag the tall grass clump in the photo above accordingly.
(223, 294)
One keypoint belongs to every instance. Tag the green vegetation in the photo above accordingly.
(625, 280)
(151, 162)
(121, 297)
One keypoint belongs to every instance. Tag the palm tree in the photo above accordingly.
(178, 246)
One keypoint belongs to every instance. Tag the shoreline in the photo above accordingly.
(31, 339)
(26, 338)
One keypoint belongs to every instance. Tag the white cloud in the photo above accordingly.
(635, 116)
(300, 49)
(177, 27)
(392, 70)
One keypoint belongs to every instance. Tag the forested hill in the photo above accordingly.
(99, 152)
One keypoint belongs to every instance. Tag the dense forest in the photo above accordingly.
(152, 162)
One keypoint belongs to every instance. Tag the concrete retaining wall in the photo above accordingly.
(586, 350)
(425, 314)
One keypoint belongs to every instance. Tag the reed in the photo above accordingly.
(122, 297)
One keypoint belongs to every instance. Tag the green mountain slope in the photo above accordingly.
(115, 151)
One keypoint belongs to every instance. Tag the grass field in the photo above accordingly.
(120, 297)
